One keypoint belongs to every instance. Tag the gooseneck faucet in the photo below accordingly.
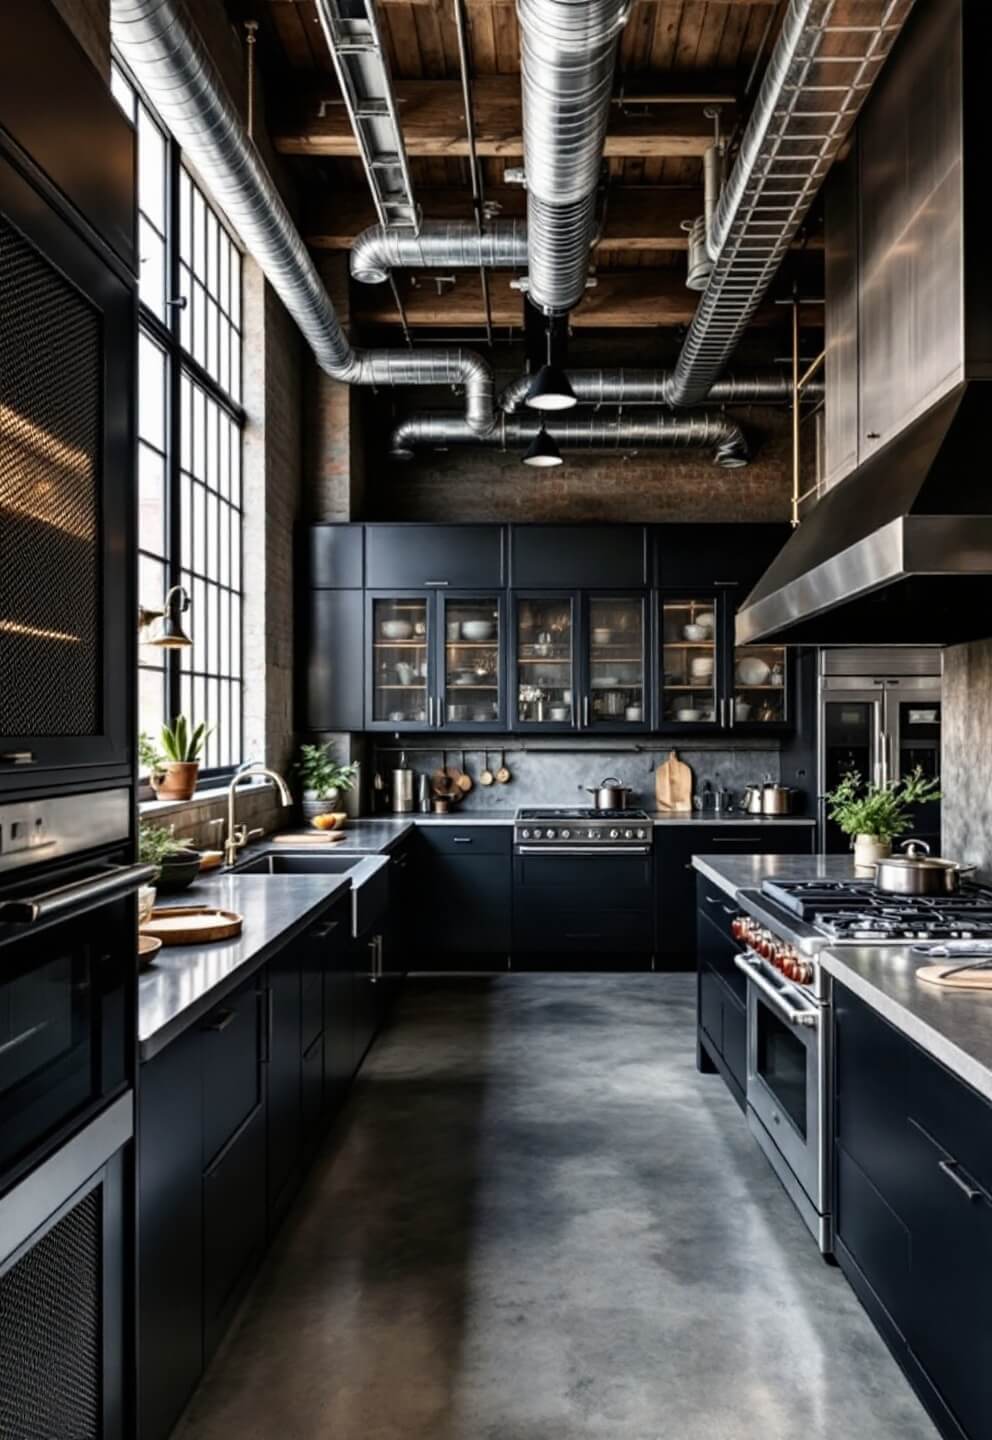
(239, 835)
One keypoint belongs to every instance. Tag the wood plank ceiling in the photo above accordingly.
(676, 57)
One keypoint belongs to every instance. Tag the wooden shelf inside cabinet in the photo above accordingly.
(399, 644)
(739, 685)
(420, 688)
(688, 644)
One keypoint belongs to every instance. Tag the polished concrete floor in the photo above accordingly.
(537, 1221)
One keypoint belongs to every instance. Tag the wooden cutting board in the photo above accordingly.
(308, 837)
(673, 786)
(963, 980)
(192, 924)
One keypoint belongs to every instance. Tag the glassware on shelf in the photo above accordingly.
(544, 661)
(400, 641)
(616, 658)
(759, 684)
(471, 660)
(688, 656)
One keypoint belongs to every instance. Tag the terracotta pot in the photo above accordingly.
(177, 781)
(868, 849)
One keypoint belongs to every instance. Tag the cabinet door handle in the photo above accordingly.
(222, 1019)
(322, 931)
(269, 1021)
(17, 757)
(950, 1169)
(585, 712)
(437, 583)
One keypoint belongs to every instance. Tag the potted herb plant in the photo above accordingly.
(174, 767)
(874, 815)
(322, 779)
(178, 863)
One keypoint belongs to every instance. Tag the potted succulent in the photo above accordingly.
(178, 863)
(323, 779)
(873, 815)
(173, 769)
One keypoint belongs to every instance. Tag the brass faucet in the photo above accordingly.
(239, 835)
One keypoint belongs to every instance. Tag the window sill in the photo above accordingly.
(158, 809)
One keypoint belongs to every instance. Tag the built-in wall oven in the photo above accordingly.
(67, 1056)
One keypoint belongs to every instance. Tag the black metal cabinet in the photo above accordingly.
(721, 990)
(574, 904)
(615, 670)
(67, 326)
(366, 995)
(456, 557)
(675, 878)
(465, 896)
(170, 1234)
(283, 1080)
(913, 1206)
(335, 675)
(233, 1226)
(579, 556)
(714, 556)
(337, 556)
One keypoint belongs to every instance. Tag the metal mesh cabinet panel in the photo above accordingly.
(51, 1332)
(51, 374)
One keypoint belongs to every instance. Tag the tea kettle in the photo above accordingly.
(751, 802)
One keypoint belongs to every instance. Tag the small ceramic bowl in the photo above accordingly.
(695, 632)
(688, 715)
(397, 629)
(602, 636)
(477, 630)
(706, 620)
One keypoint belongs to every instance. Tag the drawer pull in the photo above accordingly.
(461, 839)
(224, 1018)
(322, 931)
(950, 1169)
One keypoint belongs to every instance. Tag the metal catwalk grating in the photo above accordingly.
(351, 30)
(51, 1332)
(825, 62)
(50, 424)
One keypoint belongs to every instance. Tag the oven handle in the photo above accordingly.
(51, 903)
(583, 850)
(778, 1001)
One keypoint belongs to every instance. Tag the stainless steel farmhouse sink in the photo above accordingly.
(369, 876)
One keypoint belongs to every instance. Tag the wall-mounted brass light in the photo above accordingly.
(170, 635)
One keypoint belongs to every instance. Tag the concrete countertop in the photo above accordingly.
(955, 1027)
(184, 982)
(734, 873)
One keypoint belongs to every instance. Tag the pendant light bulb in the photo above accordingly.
(542, 451)
(550, 389)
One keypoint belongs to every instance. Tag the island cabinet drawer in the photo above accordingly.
(232, 1077)
(233, 1225)
(719, 951)
(449, 838)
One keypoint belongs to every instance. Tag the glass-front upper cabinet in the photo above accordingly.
(544, 661)
(615, 694)
(471, 669)
(759, 691)
(689, 660)
(400, 675)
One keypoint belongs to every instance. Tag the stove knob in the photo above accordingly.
(614, 834)
(525, 834)
(628, 834)
(549, 834)
(592, 834)
(642, 834)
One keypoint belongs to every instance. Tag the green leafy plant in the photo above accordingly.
(156, 844)
(150, 755)
(883, 811)
(180, 744)
(321, 773)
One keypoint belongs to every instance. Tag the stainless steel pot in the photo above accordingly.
(917, 872)
(776, 799)
(751, 803)
(611, 794)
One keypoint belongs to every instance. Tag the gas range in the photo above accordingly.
(854, 912)
(583, 828)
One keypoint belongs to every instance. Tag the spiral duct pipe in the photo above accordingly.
(650, 431)
(819, 73)
(567, 59)
(166, 55)
(649, 387)
(455, 244)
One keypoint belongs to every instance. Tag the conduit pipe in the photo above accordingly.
(650, 431)
(453, 244)
(169, 60)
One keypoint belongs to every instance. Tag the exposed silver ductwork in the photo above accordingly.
(166, 55)
(649, 387)
(651, 431)
(567, 59)
(818, 76)
(455, 244)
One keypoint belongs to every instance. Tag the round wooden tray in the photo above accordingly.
(148, 948)
(192, 924)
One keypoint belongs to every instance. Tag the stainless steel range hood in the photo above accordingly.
(900, 551)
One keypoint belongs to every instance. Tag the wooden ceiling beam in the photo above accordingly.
(433, 120)
(644, 299)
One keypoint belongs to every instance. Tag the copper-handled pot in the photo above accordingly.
(611, 794)
(917, 872)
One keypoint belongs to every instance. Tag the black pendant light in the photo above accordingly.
(550, 389)
(542, 451)
(170, 634)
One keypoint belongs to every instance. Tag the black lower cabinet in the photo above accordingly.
(566, 907)
(675, 878)
(913, 1201)
(284, 1077)
(722, 991)
(170, 1235)
(234, 1216)
(367, 996)
(464, 904)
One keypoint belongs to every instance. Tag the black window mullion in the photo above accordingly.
(174, 490)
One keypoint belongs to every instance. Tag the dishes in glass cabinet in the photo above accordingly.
(602, 635)
(701, 667)
(752, 670)
(477, 630)
(688, 715)
(696, 633)
(397, 629)
(706, 620)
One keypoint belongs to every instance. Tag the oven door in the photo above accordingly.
(785, 1072)
(67, 963)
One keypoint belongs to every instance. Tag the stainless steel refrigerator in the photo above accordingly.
(879, 714)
